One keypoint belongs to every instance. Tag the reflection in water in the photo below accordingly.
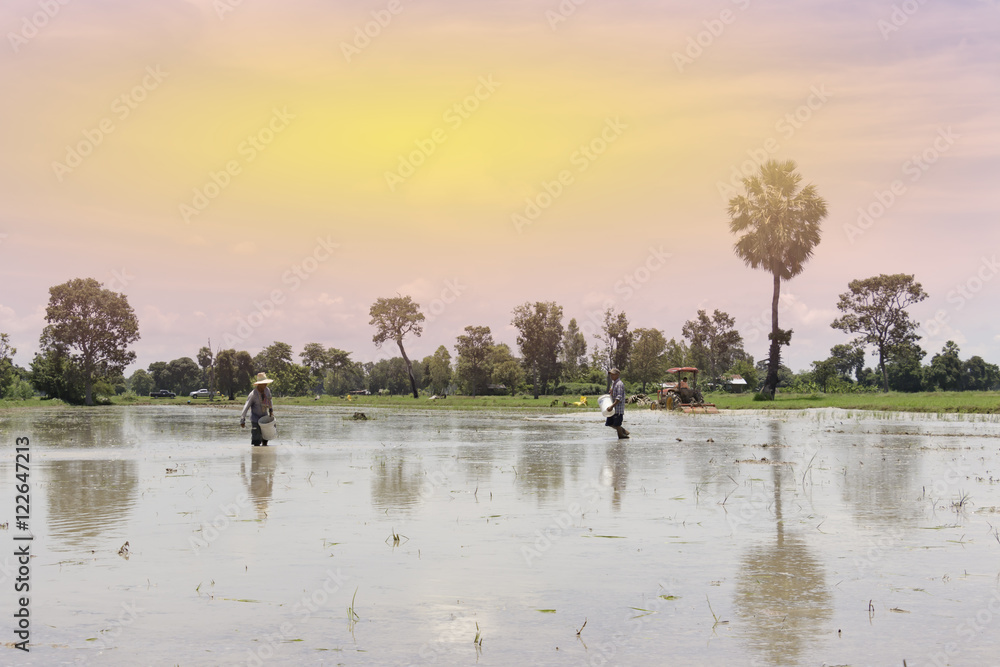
(881, 479)
(615, 472)
(87, 498)
(260, 481)
(396, 483)
(781, 590)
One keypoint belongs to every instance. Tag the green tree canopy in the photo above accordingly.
(395, 318)
(616, 343)
(95, 326)
(715, 342)
(647, 361)
(473, 348)
(876, 308)
(777, 221)
(540, 333)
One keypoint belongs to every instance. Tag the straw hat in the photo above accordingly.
(262, 379)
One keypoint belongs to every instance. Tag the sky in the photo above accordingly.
(247, 171)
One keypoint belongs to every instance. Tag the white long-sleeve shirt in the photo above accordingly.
(256, 406)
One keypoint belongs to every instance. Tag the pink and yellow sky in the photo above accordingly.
(251, 171)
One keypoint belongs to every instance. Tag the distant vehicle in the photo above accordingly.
(678, 396)
(162, 393)
(201, 393)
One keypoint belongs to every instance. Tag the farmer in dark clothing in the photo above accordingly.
(618, 396)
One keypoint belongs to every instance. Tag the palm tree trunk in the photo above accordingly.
(771, 383)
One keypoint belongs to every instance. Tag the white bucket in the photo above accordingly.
(268, 429)
(605, 402)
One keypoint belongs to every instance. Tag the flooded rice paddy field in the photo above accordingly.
(808, 538)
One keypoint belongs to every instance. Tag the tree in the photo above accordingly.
(945, 371)
(779, 223)
(314, 358)
(616, 340)
(54, 373)
(8, 374)
(540, 333)
(439, 370)
(244, 372)
(158, 371)
(646, 364)
(394, 318)
(574, 350)
(95, 325)
(715, 342)
(205, 362)
(977, 375)
(904, 368)
(182, 375)
(506, 369)
(876, 308)
(823, 372)
(848, 360)
(225, 372)
(141, 382)
(677, 355)
(473, 350)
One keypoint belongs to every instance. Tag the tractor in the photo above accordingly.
(678, 395)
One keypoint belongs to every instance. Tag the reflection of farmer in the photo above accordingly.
(618, 396)
(260, 480)
(258, 404)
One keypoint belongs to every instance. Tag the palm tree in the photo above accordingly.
(779, 223)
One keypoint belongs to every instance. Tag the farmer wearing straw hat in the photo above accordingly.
(258, 404)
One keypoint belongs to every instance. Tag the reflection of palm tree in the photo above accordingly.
(782, 587)
(781, 227)
(260, 481)
(87, 498)
(616, 471)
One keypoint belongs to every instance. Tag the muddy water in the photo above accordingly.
(813, 538)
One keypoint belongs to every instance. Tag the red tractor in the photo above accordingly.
(680, 395)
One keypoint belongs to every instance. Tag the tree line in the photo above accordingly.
(85, 346)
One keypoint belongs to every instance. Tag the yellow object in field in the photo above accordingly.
(582, 401)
